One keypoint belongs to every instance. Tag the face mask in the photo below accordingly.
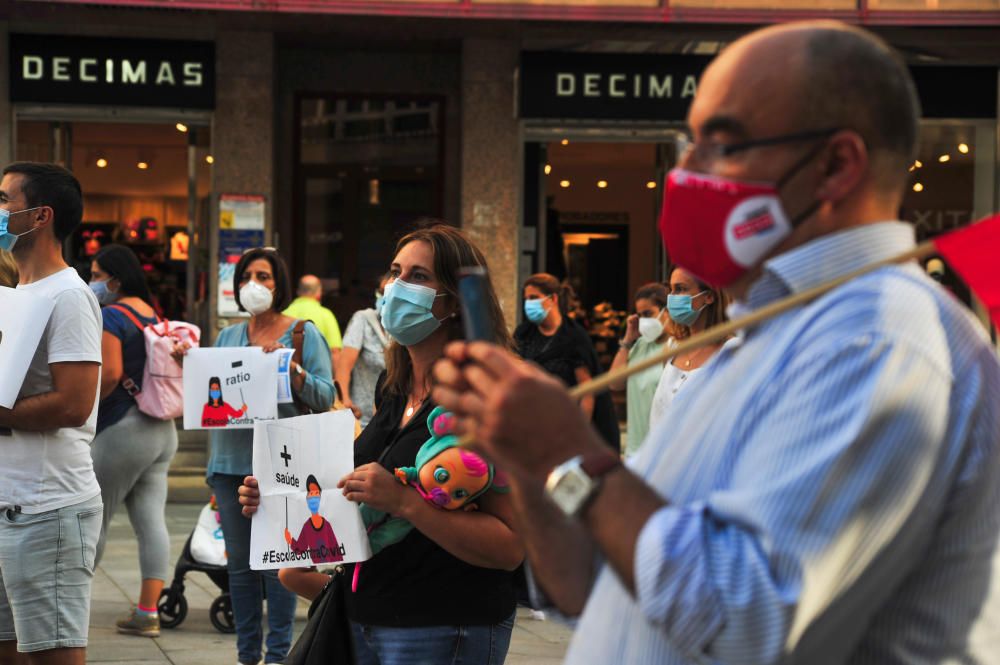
(8, 239)
(650, 327)
(535, 310)
(680, 310)
(717, 228)
(104, 295)
(313, 503)
(255, 298)
(215, 394)
(406, 312)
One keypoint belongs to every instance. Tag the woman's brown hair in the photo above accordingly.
(452, 250)
(8, 269)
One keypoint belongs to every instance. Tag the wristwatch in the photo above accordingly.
(299, 370)
(574, 482)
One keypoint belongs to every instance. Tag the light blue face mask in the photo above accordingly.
(313, 503)
(535, 310)
(104, 295)
(680, 308)
(406, 312)
(8, 239)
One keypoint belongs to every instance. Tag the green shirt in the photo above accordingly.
(641, 388)
(310, 310)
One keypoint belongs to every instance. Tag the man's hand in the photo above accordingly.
(520, 416)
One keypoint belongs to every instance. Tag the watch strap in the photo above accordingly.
(597, 465)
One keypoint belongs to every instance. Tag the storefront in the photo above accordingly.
(601, 130)
(132, 119)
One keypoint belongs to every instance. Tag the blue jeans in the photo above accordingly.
(245, 584)
(433, 645)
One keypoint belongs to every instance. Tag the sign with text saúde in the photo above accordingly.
(112, 72)
(23, 318)
(303, 519)
(229, 387)
(608, 86)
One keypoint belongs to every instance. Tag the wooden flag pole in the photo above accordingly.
(721, 332)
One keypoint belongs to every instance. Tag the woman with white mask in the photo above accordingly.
(262, 289)
(646, 332)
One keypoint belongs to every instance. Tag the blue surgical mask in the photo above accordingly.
(406, 312)
(104, 295)
(313, 503)
(679, 307)
(215, 394)
(8, 239)
(535, 310)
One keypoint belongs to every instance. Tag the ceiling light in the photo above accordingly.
(944, 158)
(209, 159)
(101, 162)
(181, 127)
(142, 165)
(564, 183)
(918, 163)
(651, 184)
(565, 141)
(963, 148)
(917, 187)
(602, 184)
(548, 169)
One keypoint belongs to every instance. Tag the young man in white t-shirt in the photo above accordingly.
(50, 502)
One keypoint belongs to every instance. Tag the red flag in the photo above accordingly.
(974, 253)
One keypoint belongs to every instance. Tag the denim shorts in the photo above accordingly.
(433, 645)
(46, 570)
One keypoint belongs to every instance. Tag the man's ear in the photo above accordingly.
(43, 217)
(844, 166)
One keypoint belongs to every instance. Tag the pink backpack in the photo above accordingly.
(162, 392)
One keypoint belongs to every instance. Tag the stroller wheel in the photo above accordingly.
(221, 614)
(173, 608)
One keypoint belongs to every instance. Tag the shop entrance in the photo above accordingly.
(590, 211)
(146, 186)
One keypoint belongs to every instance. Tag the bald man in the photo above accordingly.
(306, 306)
(827, 489)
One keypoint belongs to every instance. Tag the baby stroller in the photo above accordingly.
(209, 557)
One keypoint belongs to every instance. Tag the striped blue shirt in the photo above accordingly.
(833, 480)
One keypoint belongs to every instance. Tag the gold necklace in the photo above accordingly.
(411, 405)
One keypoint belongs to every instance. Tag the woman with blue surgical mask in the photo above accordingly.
(551, 339)
(646, 332)
(693, 307)
(463, 557)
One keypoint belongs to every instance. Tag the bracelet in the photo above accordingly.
(625, 345)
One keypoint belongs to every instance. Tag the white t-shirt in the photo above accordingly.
(43, 471)
(671, 380)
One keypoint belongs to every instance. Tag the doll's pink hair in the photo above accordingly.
(474, 464)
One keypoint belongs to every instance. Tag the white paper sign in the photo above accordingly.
(22, 322)
(229, 388)
(289, 456)
(284, 378)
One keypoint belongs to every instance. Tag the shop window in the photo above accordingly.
(774, 5)
(951, 182)
(135, 179)
(368, 167)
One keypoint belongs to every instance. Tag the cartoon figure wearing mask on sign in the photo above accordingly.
(217, 412)
(317, 535)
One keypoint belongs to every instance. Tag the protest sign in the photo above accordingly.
(303, 519)
(23, 318)
(229, 388)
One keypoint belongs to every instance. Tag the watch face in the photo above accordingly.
(571, 491)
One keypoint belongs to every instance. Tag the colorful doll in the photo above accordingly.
(445, 475)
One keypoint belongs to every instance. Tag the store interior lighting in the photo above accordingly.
(564, 183)
(918, 163)
(651, 184)
(209, 159)
(101, 163)
(141, 165)
(601, 184)
(548, 169)
(181, 127)
(564, 142)
(918, 187)
(944, 158)
(963, 148)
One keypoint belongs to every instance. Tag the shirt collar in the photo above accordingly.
(823, 259)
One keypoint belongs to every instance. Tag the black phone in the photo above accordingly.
(473, 292)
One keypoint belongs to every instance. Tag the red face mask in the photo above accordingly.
(717, 228)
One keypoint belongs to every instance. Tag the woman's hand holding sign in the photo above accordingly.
(373, 485)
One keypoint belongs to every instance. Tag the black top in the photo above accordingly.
(415, 582)
(561, 355)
